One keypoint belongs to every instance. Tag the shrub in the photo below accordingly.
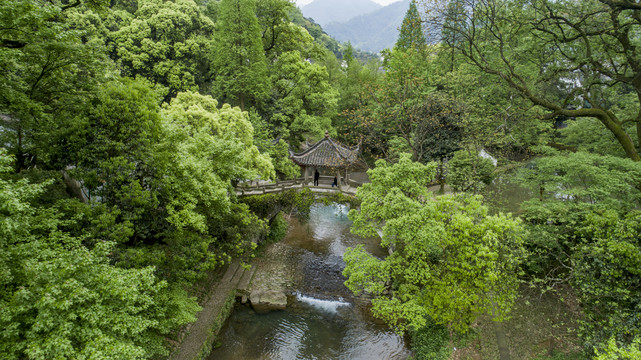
(430, 342)
(469, 172)
(277, 229)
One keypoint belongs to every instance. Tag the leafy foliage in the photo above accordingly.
(607, 278)
(305, 99)
(431, 342)
(60, 299)
(581, 232)
(583, 178)
(277, 229)
(614, 352)
(167, 42)
(284, 167)
(450, 260)
(469, 172)
(47, 71)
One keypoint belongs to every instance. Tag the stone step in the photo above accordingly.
(245, 281)
(238, 275)
(231, 271)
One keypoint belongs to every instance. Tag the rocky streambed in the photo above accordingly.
(297, 306)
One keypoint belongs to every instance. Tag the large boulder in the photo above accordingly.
(265, 300)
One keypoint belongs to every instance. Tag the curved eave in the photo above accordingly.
(326, 153)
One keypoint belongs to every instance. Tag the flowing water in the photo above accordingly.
(323, 320)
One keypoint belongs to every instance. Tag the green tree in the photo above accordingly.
(239, 66)
(305, 101)
(113, 148)
(61, 299)
(48, 68)
(449, 261)
(280, 34)
(411, 34)
(556, 54)
(405, 112)
(201, 151)
(283, 165)
(467, 171)
(496, 117)
(168, 42)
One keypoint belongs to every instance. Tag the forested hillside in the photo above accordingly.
(326, 11)
(374, 31)
(126, 125)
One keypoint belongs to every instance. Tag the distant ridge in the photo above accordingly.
(373, 31)
(326, 11)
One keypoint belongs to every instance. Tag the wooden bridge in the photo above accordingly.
(247, 188)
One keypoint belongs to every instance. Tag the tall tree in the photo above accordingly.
(202, 150)
(48, 69)
(557, 54)
(411, 33)
(404, 113)
(239, 66)
(305, 101)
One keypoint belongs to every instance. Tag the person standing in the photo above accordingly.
(316, 177)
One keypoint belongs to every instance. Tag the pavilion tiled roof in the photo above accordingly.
(327, 153)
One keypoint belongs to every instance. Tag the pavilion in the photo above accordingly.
(329, 154)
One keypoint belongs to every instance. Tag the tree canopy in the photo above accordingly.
(572, 58)
(450, 261)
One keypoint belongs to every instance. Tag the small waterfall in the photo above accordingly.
(330, 306)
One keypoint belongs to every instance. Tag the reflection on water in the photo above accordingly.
(308, 329)
(322, 320)
(327, 232)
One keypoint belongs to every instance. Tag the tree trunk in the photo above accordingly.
(19, 153)
(622, 137)
(639, 118)
(241, 99)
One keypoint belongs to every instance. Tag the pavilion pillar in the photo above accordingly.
(305, 184)
(338, 178)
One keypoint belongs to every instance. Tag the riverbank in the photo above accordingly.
(200, 336)
(322, 318)
(541, 326)
(268, 273)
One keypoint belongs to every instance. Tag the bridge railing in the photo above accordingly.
(282, 185)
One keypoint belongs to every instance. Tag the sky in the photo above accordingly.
(382, 2)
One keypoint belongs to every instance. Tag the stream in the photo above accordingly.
(323, 320)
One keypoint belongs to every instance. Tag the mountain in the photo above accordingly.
(373, 31)
(322, 38)
(326, 11)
